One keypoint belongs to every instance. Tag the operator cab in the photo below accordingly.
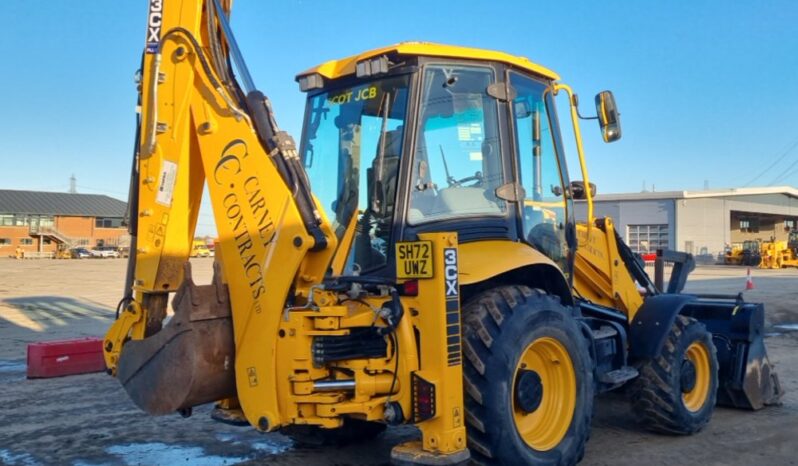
(475, 142)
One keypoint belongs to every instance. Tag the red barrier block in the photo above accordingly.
(649, 257)
(65, 357)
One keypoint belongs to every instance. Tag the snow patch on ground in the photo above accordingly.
(17, 459)
(156, 453)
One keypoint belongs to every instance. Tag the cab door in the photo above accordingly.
(541, 169)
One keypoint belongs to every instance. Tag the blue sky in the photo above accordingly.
(708, 90)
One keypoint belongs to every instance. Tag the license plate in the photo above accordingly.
(414, 259)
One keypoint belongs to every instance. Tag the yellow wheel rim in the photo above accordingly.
(546, 426)
(694, 399)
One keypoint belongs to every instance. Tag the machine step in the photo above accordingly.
(618, 376)
(604, 331)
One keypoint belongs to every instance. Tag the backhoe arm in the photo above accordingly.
(199, 126)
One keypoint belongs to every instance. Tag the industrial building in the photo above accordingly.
(699, 222)
(44, 222)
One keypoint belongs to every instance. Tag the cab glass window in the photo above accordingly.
(457, 165)
(544, 208)
(352, 145)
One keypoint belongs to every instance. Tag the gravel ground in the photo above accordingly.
(87, 419)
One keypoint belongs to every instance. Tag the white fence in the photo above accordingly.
(38, 255)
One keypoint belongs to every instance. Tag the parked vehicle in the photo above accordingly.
(63, 254)
(80, 253)
(200, 249)
(103, 252)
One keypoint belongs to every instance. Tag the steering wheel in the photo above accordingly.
(476, 177)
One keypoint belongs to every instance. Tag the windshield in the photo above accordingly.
(457, 165)
(352, 145)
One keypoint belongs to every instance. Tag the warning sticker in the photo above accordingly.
(457, 418)
(469, 132)
(166, 183)
(252, 375)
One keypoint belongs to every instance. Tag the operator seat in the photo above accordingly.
(390, 169)
(366, 254)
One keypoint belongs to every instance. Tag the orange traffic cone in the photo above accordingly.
(749, 282)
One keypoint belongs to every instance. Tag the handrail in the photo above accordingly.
(579, 150)
(50, 231)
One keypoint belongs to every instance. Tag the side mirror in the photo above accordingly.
(608, 116)
(578, 190)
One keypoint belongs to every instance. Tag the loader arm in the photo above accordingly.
(609, 283)
(606, 274)
(198, 126)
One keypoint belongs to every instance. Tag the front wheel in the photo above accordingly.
(675, 392)
(528, 379)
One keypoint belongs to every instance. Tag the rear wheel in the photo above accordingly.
(675, 392)
(352, 431)
(528, 379)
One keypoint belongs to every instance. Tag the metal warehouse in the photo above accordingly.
(703, 223)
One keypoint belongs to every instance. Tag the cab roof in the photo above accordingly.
(334, 69)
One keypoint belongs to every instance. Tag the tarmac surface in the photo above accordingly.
(88, 419)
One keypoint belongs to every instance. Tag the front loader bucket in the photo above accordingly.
(746, 378)
(191, 361)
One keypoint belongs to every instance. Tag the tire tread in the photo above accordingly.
(656, 400)
(484, 319)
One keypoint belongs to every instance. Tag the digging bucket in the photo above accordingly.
(190, 361)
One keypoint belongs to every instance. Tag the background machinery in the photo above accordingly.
(199, 248)
(749, 253)
(792, 247)
(773, 253)
(777, 254)
(415, 260)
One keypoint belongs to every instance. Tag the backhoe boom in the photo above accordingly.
(198, 128)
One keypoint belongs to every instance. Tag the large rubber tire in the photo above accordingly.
(499, 326)
(352, 431)
(658, 396)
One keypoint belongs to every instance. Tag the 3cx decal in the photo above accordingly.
(154, 21)
(450, 272)
(453, 347)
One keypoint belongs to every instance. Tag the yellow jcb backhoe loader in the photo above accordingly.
(415, 261)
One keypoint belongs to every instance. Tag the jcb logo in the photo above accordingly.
(450, 272)
(154, 20)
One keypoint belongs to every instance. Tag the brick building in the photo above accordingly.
(48, 222)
